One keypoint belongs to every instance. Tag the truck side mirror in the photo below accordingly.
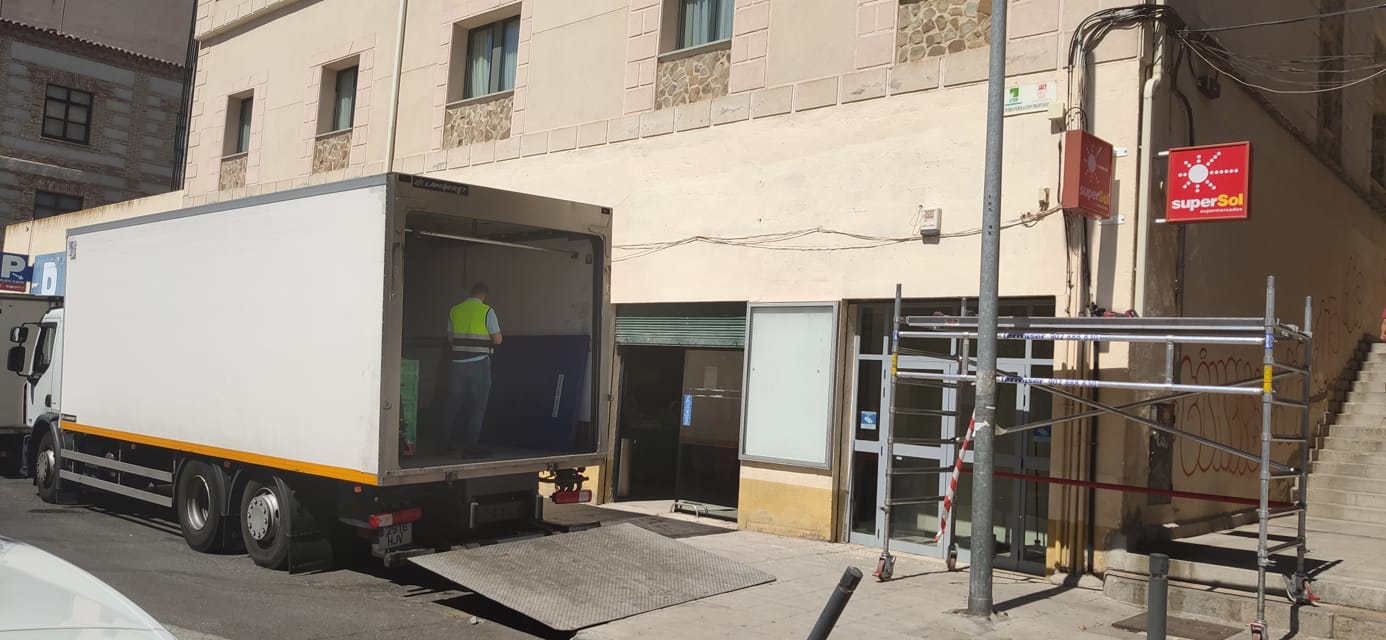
(19, 335)
(15, 361)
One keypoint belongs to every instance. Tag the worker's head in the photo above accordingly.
(480, 291)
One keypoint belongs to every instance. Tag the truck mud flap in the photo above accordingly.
(310, 544)
(576, 580)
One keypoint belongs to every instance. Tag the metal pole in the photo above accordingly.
(885, 566)
(836, 603)
(1157, 597)
(1308, 378)
(979, 598)
(1267, 394)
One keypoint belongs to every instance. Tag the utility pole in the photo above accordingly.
(979, 600)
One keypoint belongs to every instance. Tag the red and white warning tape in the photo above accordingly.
(953, 482)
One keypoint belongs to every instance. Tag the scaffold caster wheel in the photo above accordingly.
(1258, 631)
(1299, 589)
(885, 567)
(952, 559)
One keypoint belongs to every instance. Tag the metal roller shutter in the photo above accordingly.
(712, 324)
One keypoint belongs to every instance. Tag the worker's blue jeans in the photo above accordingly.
(468, 391)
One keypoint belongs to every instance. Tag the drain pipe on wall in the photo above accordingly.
(1145, 206)
(394, 87)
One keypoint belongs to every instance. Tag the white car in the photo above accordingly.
(44, 597)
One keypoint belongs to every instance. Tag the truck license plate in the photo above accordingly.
(397, 535)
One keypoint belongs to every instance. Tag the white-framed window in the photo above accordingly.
(492, 51)
(67, 114)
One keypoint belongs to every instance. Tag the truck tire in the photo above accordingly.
(264, 522)
(198, 497)
(46, 469)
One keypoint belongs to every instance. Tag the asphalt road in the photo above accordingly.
(138, 550)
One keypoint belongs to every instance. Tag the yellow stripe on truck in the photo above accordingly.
(297, 466)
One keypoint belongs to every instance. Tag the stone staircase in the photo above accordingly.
(1213, 575)
(1346, 479)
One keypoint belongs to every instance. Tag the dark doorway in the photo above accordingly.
(651, 407)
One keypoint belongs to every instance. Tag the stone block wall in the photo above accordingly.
(232, 172)
(694, 78)
(332, 151)
(475, 122)
(930, 28)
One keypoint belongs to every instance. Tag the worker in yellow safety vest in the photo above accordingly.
(473, 332)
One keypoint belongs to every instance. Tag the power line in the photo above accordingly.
(1269, 23)
(1196, 47)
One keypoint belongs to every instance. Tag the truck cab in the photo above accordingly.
(36, 356)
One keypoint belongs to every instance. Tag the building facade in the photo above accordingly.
(772, 157)
(92, 106)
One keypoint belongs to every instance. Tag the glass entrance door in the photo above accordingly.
(1020, 507)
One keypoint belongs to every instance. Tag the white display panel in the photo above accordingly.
(787, 410)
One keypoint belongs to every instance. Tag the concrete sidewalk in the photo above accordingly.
(918, 603)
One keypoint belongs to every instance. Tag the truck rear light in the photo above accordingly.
(571, 497)
(398, 517)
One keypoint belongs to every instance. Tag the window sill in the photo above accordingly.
(235, 156)
(329, 134)
(77, 143)
(490, 97)
(689, 52)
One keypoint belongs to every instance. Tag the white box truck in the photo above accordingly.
(17, 309)
(275, 368)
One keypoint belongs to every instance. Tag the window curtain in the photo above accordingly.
(346, 99)
(705, 21)
(479, 63)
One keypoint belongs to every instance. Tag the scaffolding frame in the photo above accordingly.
(1264, 332)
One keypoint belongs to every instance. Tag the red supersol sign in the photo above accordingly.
(1087, 179)
(1211, 182)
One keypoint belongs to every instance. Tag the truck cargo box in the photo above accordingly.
(306, 330)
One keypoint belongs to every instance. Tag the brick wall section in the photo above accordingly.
(1330, 103)
(750, 45)
(642, 51)
(132, 123)
(930, 28)
(875, 33)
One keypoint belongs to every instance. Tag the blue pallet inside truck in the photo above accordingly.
(536, 392)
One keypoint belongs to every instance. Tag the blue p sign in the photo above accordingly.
(14, 272)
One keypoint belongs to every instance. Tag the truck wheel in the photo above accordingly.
(198, 496)
(264, 523)
(46, 469)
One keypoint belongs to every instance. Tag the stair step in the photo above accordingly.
(1337, 443)
(1348, 457)
(1234, 608)
(1358, 432)
(1376, 347)
(1365, 408)
(1377, 396)
(1368, 385)
(1375, 472)
(1345, 512)
(1372, 374)
(1318, 494)
(1353, 484)
(1357, 420)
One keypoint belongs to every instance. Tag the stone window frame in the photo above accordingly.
(449, 75)
(328, 98)
(253, 86)
(363, 50)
